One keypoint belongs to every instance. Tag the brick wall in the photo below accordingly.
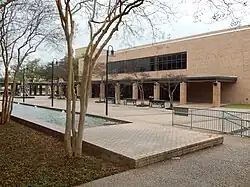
(222, 53)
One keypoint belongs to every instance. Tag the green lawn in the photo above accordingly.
(240, 106)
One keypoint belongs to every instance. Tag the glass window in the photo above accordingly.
(155, 63)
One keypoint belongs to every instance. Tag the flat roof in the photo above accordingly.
(192, 37)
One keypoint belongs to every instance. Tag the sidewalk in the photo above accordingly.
(227, 165)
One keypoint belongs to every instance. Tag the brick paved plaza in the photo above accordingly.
(150, 134)
(149, 137)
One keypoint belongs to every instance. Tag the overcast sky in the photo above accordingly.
(182, 25)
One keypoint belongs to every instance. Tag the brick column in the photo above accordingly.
(183, 93)
(102, 91)
(216, 94)
(135, 91)
(117, 93)
(46, 90)
(157, 89)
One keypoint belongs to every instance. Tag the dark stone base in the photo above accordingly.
(169, 108)
(140, 105)
(99, 101)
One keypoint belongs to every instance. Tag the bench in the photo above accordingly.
(61, 97)
(180, 111)
(111, 99)
(157, 102)
(130, 100)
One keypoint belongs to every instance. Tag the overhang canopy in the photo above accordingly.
(208, 78)
(211, 78)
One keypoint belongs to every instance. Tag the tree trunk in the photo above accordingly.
(171, 100)
(73, 116)
(5, 97)
(85, 85)
(11, 100)
(141, 94)
(68, 127)
(142, 98)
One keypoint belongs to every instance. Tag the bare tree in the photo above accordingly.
(66, 13)
(234, 10)
(100, 72)
(170, 83)
(4, 3)
(104, 18)
(139, 79)
(24, 26)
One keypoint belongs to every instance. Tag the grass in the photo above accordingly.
(239, 106)
(31, 158)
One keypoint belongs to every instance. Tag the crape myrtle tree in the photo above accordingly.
(103, 18)
(139, 78)
(24, 26)
(170, 84)
(99, 71)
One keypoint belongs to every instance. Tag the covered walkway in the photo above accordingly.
(212, 90)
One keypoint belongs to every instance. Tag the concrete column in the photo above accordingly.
(90, 90)
(60, 90)
(55, 91)
(102, 91)
(183, 93)
(78, 90)
(216, 94)
(46, 90)
(60, 86)
(135, 91)
(117, 93)
(157, 89)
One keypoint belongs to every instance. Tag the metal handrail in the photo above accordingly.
(237, 121)
(239, 112)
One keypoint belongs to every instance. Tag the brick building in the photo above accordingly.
(216, 67)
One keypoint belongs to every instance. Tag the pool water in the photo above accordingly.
(53, 116)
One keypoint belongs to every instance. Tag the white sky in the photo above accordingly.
(183, 25)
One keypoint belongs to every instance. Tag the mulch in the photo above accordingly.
(31, 158)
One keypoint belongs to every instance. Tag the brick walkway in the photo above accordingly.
(146, 144)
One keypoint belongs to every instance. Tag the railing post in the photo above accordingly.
(191, 119)
(222, 121)
(241, 128)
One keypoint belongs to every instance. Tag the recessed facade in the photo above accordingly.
(216, 67)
